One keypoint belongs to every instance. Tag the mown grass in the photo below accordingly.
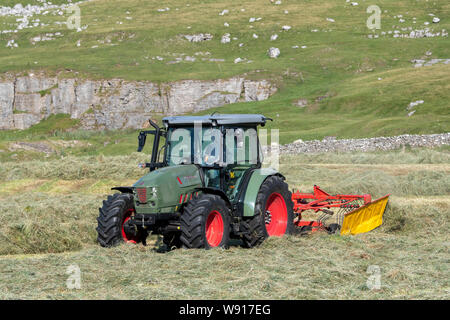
(318, 267)
(48, 223)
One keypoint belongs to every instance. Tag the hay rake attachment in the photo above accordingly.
(353, 213)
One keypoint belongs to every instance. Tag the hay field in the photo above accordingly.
(48, 223)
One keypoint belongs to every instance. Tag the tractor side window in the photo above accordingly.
(179, 146)
(211, 147)
(241, 146)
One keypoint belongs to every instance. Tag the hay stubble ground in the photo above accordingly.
(51, 225)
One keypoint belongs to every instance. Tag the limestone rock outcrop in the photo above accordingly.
(115, 103)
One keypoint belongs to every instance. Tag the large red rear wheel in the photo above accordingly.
(274, 216)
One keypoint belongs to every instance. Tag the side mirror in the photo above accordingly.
(141, 138)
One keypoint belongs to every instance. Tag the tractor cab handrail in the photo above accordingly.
(158, 132)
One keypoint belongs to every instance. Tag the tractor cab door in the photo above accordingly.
(241, 154)
(209, 155)
(226, 154)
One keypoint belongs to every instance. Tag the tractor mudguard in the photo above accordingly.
(123, 189)
(256, 180)
(215, 191)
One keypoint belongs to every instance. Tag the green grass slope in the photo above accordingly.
(355, 86)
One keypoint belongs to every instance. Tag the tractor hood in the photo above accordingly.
(163, 190)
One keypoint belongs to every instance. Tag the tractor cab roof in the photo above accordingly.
(219, 119)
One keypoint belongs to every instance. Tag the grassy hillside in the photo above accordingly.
(49, 210)
(355, 86)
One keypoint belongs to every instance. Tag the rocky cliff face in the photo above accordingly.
(117, 104)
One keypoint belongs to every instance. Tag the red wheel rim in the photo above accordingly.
(127, 217)
(276, 215)
(214, 228)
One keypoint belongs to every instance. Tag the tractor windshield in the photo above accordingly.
(180, 145)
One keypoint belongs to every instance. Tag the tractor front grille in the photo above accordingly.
(142, 194)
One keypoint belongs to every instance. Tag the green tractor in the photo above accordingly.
(205, 186)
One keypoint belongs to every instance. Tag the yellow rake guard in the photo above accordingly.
(365, 218)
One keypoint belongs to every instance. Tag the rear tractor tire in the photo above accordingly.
(274, 215)
(113, 215)
(205, 223)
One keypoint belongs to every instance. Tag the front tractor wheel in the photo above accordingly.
(205, 223)
(113, 226)
(274, 215)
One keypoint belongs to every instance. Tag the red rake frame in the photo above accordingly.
(319, 200)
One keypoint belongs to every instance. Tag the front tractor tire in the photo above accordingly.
(112, 219)
(205, 223)
(274, 215)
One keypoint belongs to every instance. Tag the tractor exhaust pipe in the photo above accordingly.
(141, 143)
(155, 142)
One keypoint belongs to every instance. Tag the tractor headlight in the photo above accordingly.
(153, 192)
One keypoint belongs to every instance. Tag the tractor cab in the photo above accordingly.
(224, 147)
